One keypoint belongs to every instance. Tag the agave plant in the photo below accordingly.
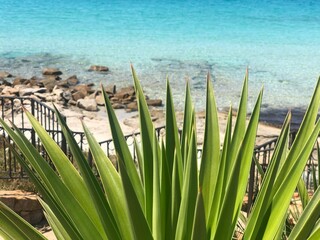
(166, 195)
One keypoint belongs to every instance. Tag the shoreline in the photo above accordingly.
(271, 119)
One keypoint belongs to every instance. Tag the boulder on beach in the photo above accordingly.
(87, 104)
(51, 71)
(98, 68)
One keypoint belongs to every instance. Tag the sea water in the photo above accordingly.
(278, 41)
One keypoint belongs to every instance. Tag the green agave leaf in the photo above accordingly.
(165, 196)
(219, 191)
(58, 229)
(238, 180)
(173, 147)
(146, 130)
(66, 170)
(138, 150)
(303, 192)
(112, 186)
(189, 193)
(187, 126)
(176, 197)
(97, 196)
(239, 128)
(139, 222)
(12, 226)
(210, 161)
(123, 151)
(302, 136)
(308, 219)
(255, 223)
(315, 235)
(156, 207)
(54, 206)
(62, 196)
(282, 197)
(199, 230)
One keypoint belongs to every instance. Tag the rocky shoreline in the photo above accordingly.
(69, 91)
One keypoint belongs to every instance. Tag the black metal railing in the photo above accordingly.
(11, 109)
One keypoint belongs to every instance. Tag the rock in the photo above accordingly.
(92, 96)
(154, 102)
(114, 99)
(26, 92)
(73, 80)
(40, 90)
(72, 102)
(51, 71)
(49, 83)
(111, 89)
(63, 83)
(87, 104)
(23, 203)
(42, 96)
(132, 106)
(19, 81)
(98, 68)
(118, 106)
(9, 91)
(124, 93)
(82, 88)
(4, 82)
(57, 91)
(100, 100)
(5, 75)
(67, 95)
(78, 95)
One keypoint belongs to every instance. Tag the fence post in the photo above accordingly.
(33, 134)
(63, 139)
(251, 186)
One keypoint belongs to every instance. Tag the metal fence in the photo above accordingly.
(9, 167)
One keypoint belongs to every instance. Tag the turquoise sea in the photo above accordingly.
(279, 41)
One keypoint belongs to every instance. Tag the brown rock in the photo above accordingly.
(73, 80)
(63, 83)
(114, 99)
(82, 88)
(5, 75)
(98, 68)
(111, 89)
(100, 100)
(49, 83)
(78, 95)
(154, 102)
(93, 95)
(132, 106)
(51, 71)
(87, 104)
(19, 81)
(118, 106)
(9, 201)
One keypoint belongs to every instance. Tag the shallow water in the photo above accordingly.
(278, 41)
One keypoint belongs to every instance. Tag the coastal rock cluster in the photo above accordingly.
(69, 91)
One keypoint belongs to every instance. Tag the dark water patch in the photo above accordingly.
(276, 117)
